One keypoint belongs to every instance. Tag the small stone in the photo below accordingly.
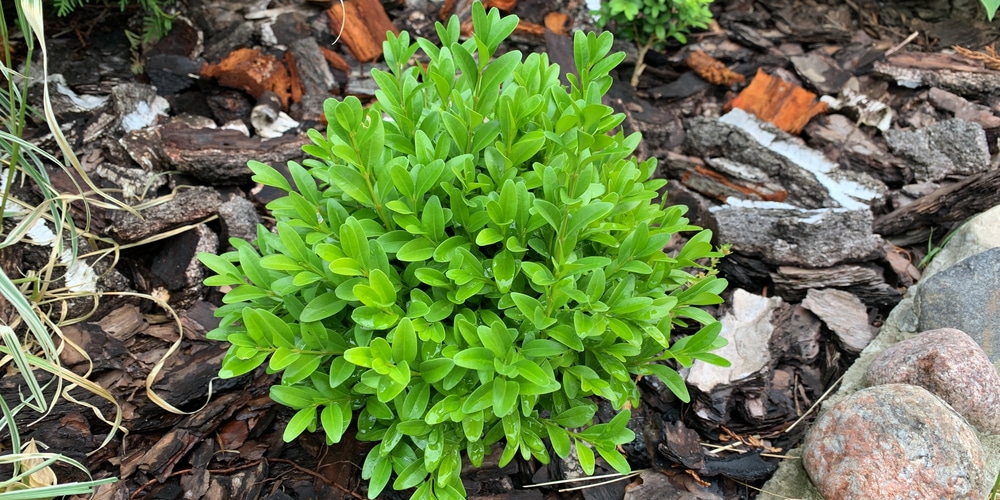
(948, 363)
(895, 441)
(844, 314)
(748, 329)
(239, 219)
(951, 147)
(965, 296)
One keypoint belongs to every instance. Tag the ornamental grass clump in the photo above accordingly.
(474, 259)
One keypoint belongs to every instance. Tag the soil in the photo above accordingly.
(230, 445)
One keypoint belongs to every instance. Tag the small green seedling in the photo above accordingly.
(472, 260)
(652, 23)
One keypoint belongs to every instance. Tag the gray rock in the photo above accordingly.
(945, 148)
(239, 219)
(965, 296)
(791, 479)
(895, 441)
(980, 233)
(948, 363)
(748, 329)
(844, 314)
(785, 235)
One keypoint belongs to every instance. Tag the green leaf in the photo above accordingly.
(412, 475)
(360, 356)
(293, 397)
(549, 212)
(476, 450)
(526, 304)
(449, 470)
(567, 336)
(268, 176)
(416, 250)
(496, 338)
(700, 342)
(475, 358)
(371, 318)
(447, 249)
(504, 270)
(268, 326)
(354, 241)
(488, 236)
(221, 266)
(346, 266)
(280, 262)
(434, 450)
(577, 416)
(335, 421)
(282, 358)
(379, 472)
(322, 307)
(415, 402)
(991, 8)
(404, 341)
(433, 370)
(383, 287)
(531, 372)
(586, 456)
(472, 426)
(671, 378)
(306, 365)
(480, 399)
(340, 370)
(712, 359)
(234, 367)
(413, 427)
(244, 293)
(538, 274)
(543, 348)
(302, 420)
(614, 459)
(505, 394)
(559, 439)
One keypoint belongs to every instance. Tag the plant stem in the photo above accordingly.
(639, 64)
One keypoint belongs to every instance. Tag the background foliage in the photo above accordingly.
(651, 24)
(156, 23)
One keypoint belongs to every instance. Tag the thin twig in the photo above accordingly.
(814, 405)
(230, 470)
(317, 475)
(902, 44)
(766, 492)
(602, 483)
(579, 479)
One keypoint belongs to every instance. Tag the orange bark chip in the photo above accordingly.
(253, 72)
(335, 60)
(506, 6)
(365, 28)
(786, 105)
(712, 70)
(557, 22)
(524, 28)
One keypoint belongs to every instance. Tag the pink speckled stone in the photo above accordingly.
(950, 364)
(895, 441)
